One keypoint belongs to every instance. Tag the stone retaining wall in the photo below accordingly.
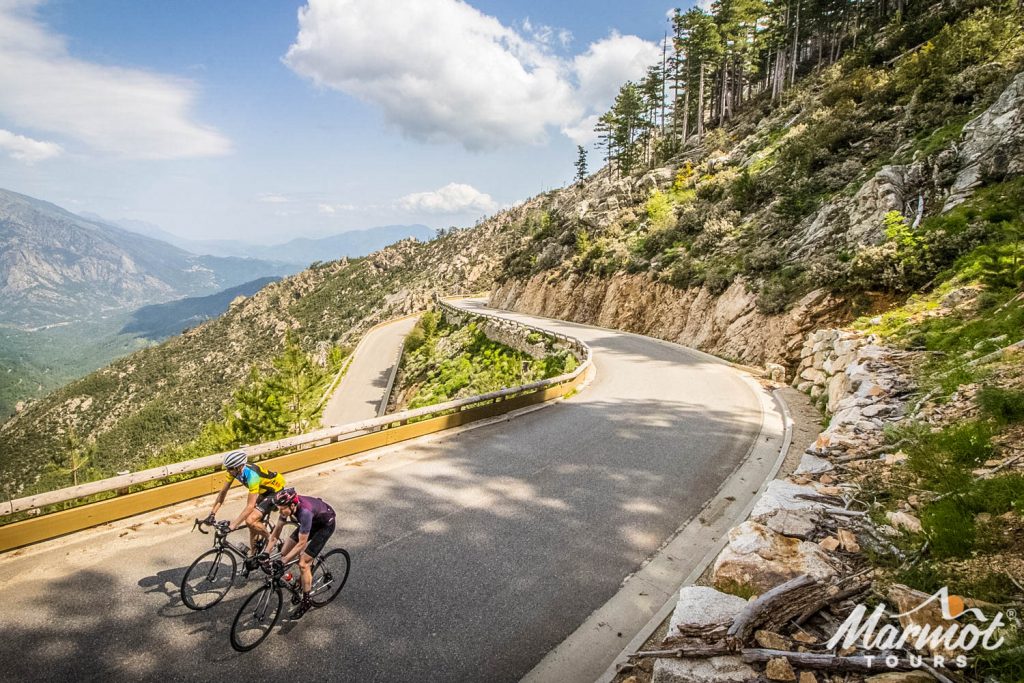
(511, 335)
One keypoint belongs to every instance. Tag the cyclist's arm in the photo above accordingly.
(249, 507)
(297, 548)
(220, 498)
(276, 533)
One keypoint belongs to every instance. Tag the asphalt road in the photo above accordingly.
(474, 553)
(361, 390)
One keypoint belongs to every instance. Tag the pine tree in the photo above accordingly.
(294, 385)
(581, 163)
(629, 125)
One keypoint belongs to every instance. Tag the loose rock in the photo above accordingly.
(760, 559)
(779, 669)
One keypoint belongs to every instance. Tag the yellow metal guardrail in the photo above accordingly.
(316, 448)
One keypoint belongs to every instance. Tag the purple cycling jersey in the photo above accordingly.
(312, 511)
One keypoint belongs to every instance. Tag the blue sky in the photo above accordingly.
(267, 120)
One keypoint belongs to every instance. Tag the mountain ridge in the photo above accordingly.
(56, 266)
(300, 250)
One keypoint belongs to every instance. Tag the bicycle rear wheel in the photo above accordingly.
(330, 572)
(256, 618)
(208, 579)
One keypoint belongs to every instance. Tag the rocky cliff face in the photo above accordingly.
(728, 325)
(993, 144)
(729, 320)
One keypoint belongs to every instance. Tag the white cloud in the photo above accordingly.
(453, 198)
(331, 209)
(273, 199)
(601, 71)
(609, 63)
(124, 112)
(26, 149)
(441, 70)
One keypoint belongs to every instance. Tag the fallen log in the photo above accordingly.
(811, 660)
(776, 607)
(843, 594)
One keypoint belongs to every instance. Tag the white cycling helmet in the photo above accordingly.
(235, 459)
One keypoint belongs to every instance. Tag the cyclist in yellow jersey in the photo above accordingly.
(261, 484)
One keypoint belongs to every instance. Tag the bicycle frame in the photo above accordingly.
(220, 540)
(295, 586)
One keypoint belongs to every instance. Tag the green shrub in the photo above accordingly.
(718, 279)
(950, 527)
(659, 210)
(749, 191)
(780, 290)
(944, 459)
(1002, 405)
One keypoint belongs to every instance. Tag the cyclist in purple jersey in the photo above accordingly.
(315, 520)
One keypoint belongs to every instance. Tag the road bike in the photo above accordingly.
(212, 574)
(262, 609)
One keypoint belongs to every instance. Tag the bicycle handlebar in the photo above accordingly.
(221, 526)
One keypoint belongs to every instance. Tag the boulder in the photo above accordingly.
(796, 523)
(771, 640)
(760, 559)
(779, 669)
(727, 669)
(812, 464)
(910, 605)
(993, 144)
(829, 543)
(838, 388)
(848, 541)
(813, 375)
(904, 520)
(782, 495)
(775, 372)
(703, 606)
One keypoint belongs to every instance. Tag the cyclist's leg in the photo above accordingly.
(317, 541)
(257, 529)
(306, 571)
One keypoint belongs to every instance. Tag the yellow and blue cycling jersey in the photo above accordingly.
(257, 480)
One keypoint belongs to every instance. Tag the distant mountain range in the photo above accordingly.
(58, 267)
(157, 322)
(300, 251)
(78, 291)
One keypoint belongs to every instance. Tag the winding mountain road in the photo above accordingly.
(475, 552)
(364, 387)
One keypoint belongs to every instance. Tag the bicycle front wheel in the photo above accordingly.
(256, 618)
(209, 579)
(330, 572)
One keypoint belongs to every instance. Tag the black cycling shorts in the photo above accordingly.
(265, 503)
(317, 537)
